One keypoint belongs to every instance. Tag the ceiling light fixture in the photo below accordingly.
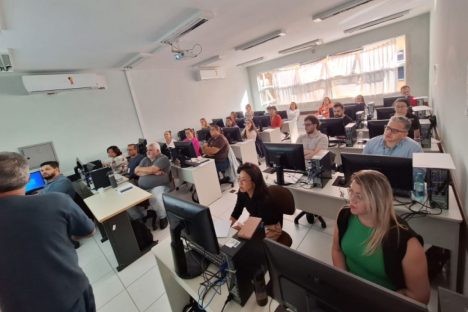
(303, 46)
(251, 61)
(207, 61)
(376, 22)
(260, 40)
(338, 10)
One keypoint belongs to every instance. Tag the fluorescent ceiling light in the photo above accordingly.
(207, 61)
(136, 59)
(303, 46)
(376, 22)
(251, 61)
(260, 40)
(186, 26)
(338, 9)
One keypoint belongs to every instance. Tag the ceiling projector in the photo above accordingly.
(181, 54)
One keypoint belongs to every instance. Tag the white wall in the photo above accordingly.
(449, 86)
(173, 100)
(79, 123)
(417, 44)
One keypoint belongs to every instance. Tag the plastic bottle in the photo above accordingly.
(260, 289)
(419, 187)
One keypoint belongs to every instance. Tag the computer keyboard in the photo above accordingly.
(195, 163)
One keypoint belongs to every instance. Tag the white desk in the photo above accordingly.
(440, 230)
(245, 151)
(271, 135)
(290, 126)
(109, 208)
(204, 177)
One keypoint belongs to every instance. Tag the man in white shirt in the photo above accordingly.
(313, 140)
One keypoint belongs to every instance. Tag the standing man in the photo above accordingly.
(338, 112)
(39, 268)
(153, 172)
(134, 159)
(218, 148)
(56, 181)
(313, 140)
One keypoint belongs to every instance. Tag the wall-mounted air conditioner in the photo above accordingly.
(63, 82)
(210, 73)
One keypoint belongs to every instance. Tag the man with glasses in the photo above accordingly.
(394, 141)
(134, 159)
(313, 140)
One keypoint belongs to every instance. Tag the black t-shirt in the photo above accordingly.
(38, 263)
(260, 208)
(346, 120)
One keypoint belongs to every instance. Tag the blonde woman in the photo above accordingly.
(372, 242)
(293, 111)
(324, 109)
(204, 124)
(249, 113)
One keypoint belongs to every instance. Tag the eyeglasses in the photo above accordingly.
(393, 130)
(353, 196)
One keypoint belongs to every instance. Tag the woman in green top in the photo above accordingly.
(373, 243)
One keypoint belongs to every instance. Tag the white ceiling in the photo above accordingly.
(65, 35)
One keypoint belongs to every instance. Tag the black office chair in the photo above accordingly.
(283, 201)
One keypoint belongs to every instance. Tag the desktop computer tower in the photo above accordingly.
(320, 169)
(438, 188)
(243, 262)
(350, 131)
(359, 119)
(370, 110)
(425, 133)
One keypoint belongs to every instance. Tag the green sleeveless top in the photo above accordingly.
(370, 267)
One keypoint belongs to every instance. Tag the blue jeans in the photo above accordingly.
(222, 166)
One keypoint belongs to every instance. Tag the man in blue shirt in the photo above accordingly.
(134, 160)
(39, 268)
(56, 182)
(394, 141)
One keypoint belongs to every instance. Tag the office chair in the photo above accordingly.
(284, 201)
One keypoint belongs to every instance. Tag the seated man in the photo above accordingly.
(402, 108)
(338, 112)
(134, 159)
(275, 119)
(394, 141)
(217, 147)
(153, 172)
(56, 182)
(406, 92)
(313, 140)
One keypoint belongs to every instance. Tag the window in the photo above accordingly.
(376, 68)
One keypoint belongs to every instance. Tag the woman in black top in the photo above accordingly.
(254, 195)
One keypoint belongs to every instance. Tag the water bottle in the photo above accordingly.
(260, 289)
(419, 187)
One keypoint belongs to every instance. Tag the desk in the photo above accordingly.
(179, 290)
(109, 208)
(271, 135)
(439, 230)
(290, 126)
(245, 151)
(204, 177)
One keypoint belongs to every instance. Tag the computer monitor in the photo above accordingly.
(385, 112)
(181, 135)
(36, 182)
(262, 121)
(218, 121)
(284, 156)
(93, 165)
(376, 127)
(100, 177)
(283, 114)
(192, 222)
(142, 146)
(240, 114)
(183, 151)
(240, 122)
(302, 283)
(232, 134)
(388, 101)
(259, 113)
(398, 170)
(203, 134)
(333, 127)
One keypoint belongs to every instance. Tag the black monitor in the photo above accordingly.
(181, 135)
(283, 114)
(240, 122)
(232, 134)
(398, 170)
(284, 156)
(192, 222)
(388, 101)
(302, 283)
(333, 127)
(218, 121)
(240, 114)
(36, 182)
(385, 112)
(376, 127)
(164, 149)
(349, 110)
(142, 146)
(262, 121)
(100, 177)
(183, 151)
(259, 113)
(93, 165)
(203, 134)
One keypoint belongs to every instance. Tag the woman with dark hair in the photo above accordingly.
(190, 137)
(255, 197)
(118, 161)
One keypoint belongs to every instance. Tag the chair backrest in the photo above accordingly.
(283, 199)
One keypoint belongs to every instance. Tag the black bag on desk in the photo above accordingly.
(142, 234)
